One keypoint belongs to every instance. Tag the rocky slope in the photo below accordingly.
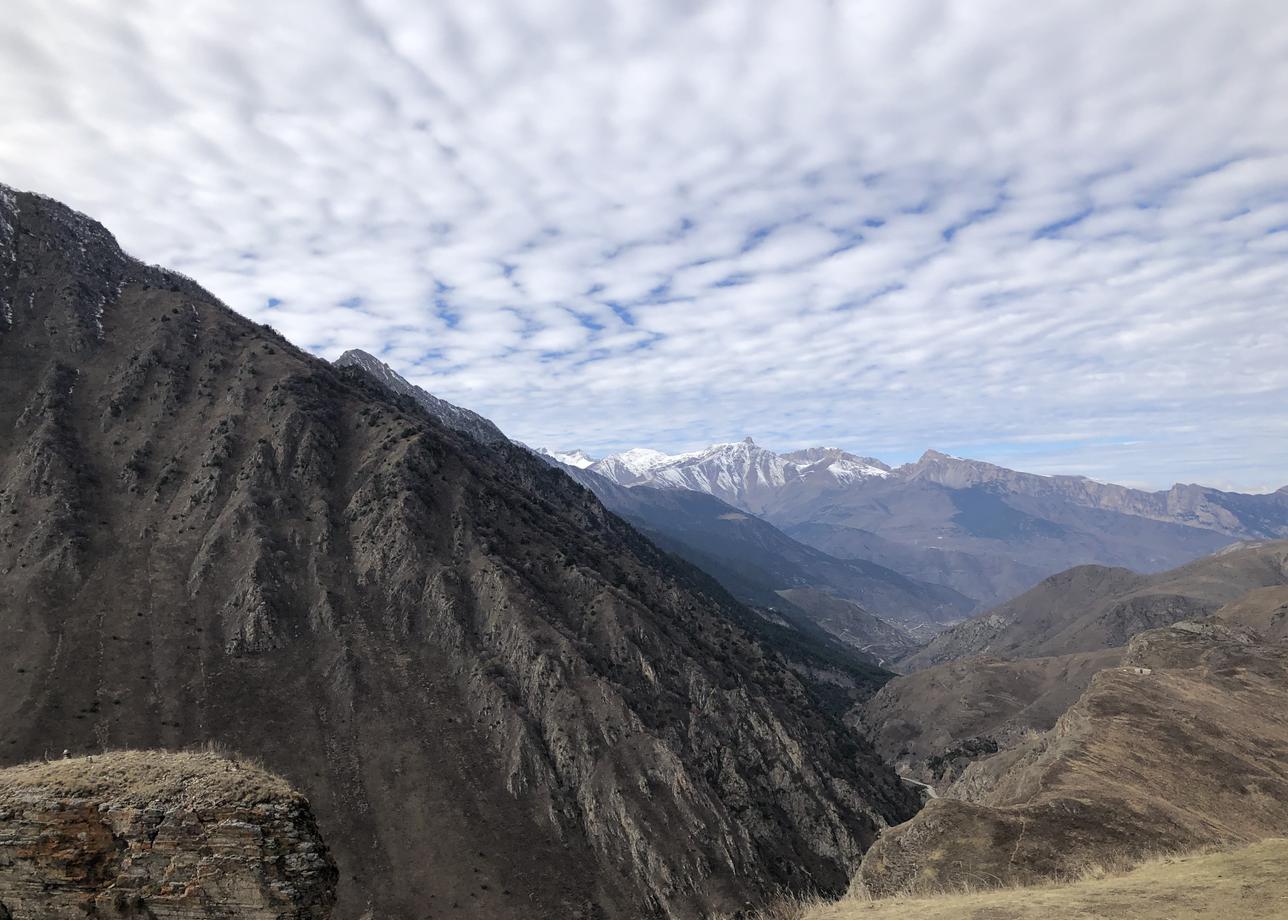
(1184, 745)
(931, 724)
(453, 416)
(1091, 607)
(852, 624)
(158, 835)
(499, 698)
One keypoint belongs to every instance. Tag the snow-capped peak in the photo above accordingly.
(578, 458)
(740, 472)
(641, 459)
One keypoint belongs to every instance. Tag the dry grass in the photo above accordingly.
(140, 778)
(1245, 884)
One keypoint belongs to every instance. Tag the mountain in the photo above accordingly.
(757, 562)
(500, 700)
(742, 474)
(1183, 746)
(983, 530)
(471, 423)
(1090, 608)
(852, 624)
(933, 723)
(577, 459)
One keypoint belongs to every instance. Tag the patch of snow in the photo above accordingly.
(578, 458)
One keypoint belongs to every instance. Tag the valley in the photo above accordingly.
(516, 683)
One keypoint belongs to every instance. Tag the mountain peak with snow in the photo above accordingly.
(740, 472)
(576, 458)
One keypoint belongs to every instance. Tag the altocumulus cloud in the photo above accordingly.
(1052, 235)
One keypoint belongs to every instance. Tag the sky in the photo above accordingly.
(1049, 235)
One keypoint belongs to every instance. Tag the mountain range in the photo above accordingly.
(985, 531)
(500, 699)
(751, 558)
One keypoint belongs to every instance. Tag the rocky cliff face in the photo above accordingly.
(157, 835)
(501, 701)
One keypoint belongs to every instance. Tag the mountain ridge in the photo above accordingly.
(495, 693)
(979, 528)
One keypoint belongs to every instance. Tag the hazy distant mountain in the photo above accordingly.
(757, 562)
(500, 699)
(984, 530)
(464, 420)
(1092, 607)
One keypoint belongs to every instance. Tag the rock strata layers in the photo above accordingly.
(162, 836)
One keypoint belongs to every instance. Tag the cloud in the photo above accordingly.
(981, 226)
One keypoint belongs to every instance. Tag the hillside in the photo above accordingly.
(1092, 608)
(1184, 745)
(1243, 884)
(851, 623)
(934, 722)
(499, 698)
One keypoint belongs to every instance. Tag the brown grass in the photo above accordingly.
(1244, 884)
(139, 778)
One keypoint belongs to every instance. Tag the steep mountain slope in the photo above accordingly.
(986, 531)
(500, 700)
(851, 623)
(933, 723)
(455, 417)
(1264, 610)
(1091, 607)
(1186, 745)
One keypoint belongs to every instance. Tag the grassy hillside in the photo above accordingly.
(1246, 884)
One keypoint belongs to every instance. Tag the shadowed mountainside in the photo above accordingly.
(500, 699)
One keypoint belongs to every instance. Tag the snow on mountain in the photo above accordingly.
(577, 458)
(630, 467)
(741, 473)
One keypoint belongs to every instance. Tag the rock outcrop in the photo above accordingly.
(161, 836)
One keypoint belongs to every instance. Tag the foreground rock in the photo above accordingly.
(158, 835)
(1185, 745)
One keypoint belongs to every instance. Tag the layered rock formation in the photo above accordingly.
(500, 699)
(158, 835)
